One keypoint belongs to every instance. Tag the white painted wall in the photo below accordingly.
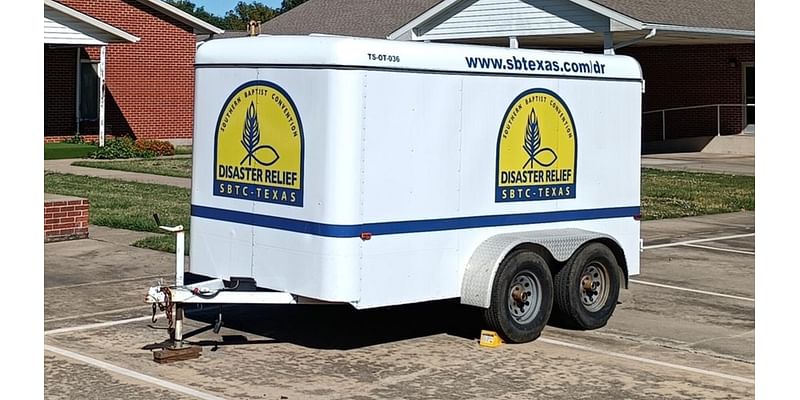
(498, 18)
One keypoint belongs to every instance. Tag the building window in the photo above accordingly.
(89, 89)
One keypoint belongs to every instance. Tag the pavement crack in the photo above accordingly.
(680, 347)
(722, 337)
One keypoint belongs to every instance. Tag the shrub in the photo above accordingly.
(157, 147)
(123, 147)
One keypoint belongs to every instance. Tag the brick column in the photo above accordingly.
(65, 218)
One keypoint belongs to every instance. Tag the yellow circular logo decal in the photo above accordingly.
(536, 149)
(259, 146)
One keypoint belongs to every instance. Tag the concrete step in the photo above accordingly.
(744, 144)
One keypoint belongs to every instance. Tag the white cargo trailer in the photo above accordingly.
(376, 173)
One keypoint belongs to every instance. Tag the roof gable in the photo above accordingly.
(65, 25)
(491, 18)
(582, 21)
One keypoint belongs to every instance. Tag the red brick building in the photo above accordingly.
(119, 67)
(697, 56)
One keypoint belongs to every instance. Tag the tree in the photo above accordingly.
(199, 12)
(287, 5)
(238, 18)
(235, 19)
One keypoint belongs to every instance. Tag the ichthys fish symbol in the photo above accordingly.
(263, 154)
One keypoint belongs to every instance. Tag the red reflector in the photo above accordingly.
(637, 217)
(366, 236)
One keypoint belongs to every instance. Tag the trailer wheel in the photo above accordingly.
(587, 287)
(522, 297)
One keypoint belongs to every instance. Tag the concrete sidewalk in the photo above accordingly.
(65, 167)
(695, 162)
(702, 162)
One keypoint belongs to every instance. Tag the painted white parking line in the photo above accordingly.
(648, 361)
(659, 246)
(95, 326)
(132, 374)
(700, 246)
(107, 282)
(94, 314)
(692, 290)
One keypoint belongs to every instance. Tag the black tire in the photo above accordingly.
(587, 288)
(508, 314)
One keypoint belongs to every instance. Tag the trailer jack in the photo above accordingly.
(163, 299)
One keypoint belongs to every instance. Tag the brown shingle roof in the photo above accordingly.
(364, 18)
(379, 18)
(224, 35)
(725, 14)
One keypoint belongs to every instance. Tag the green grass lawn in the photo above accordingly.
(58, 151)
(129, 205)
(180, 167)
(675, 194)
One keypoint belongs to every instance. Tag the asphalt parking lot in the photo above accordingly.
(683, 330)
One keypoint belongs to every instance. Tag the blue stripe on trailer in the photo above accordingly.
(399, 227)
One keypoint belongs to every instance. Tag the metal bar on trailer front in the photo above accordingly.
(214, 292)
(233, 297)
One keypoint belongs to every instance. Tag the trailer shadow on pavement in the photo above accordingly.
(337, 327)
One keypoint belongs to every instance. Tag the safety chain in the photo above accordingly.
(166, 307)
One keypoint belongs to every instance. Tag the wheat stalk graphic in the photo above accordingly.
(533, 142)
(251, 138)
